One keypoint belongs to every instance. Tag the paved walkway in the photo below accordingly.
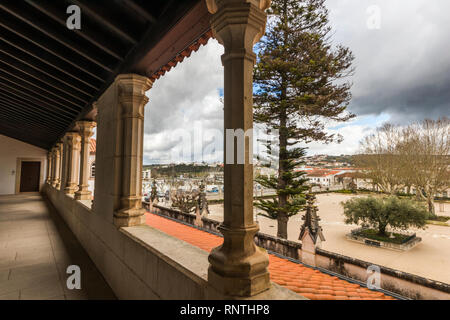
(36, 247)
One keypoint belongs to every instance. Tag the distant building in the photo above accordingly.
(92, 150)
(146, 174)
(322, 177)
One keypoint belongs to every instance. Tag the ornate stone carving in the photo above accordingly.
(311, 221)
(214, 4)
(72, 143)
(86, 131)
(58, 164)
(49, 167)
(238, 267)
(132, 98)
(202, 209)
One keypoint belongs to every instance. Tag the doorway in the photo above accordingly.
(30, 173)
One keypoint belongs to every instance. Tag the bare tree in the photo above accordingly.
(426, 146)
(379, 159)
(416, 155)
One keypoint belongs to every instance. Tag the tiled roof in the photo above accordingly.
(92, 146)
(310, 283)
(347, 175)
(321, 173)
(183, 54)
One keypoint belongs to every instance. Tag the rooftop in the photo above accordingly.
(321, 173)
(92, 146)
(310, 283)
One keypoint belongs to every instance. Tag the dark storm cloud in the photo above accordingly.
(402, 74)
(402, 68)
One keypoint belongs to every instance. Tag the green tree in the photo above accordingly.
(299, 86)
(379, 213)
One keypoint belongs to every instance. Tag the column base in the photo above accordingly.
(83, 195)
(275, 292)
(239, 286)
(239, 267)
(129, 217)
(71, 189)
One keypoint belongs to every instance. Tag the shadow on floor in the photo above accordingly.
(93, 285)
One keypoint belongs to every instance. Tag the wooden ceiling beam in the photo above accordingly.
(32, 19)
(6, 130)
(46, 96)
(32, 113)
(26, 50)
(31, 97)
(28, 105)
(56, 10)
(59, 51)
(42, 81)
(31, 62)
(100, 16)
(140, 10)
(25, 135)
(14, 120)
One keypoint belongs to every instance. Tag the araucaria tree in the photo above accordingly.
(299, 86)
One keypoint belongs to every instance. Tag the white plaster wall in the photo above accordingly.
(10, 150)
(91, 179)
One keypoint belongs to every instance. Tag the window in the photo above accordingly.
(93, 170)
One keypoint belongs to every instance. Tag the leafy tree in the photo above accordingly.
(379, 213)
(298, 87)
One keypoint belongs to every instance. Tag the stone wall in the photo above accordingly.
(284, 247)
(13, 152)
(395, 281)
(141, 262)
(402, 283)
(137, 262)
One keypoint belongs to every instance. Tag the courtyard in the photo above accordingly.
(429, 259)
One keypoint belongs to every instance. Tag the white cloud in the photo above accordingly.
(402, 72)
(185, 98)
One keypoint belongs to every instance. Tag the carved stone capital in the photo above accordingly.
(238, 268)
(213, 5)
(86, 128)
(73, 139)
(132, 96)
(58, 148)
(239, 24)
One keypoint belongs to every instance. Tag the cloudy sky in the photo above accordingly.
(402, 52)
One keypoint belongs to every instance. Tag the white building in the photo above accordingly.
(92, 150)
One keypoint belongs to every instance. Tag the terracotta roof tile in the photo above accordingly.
(203, 40)
(310, 283)
(92, 146)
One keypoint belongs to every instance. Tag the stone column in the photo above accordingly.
(72, 143)
(132, 99)
(53, 174)
(58, 155)
(238, 268)
(86, 132)
(49, 168)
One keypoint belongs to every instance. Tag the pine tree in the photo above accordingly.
(299, 86)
